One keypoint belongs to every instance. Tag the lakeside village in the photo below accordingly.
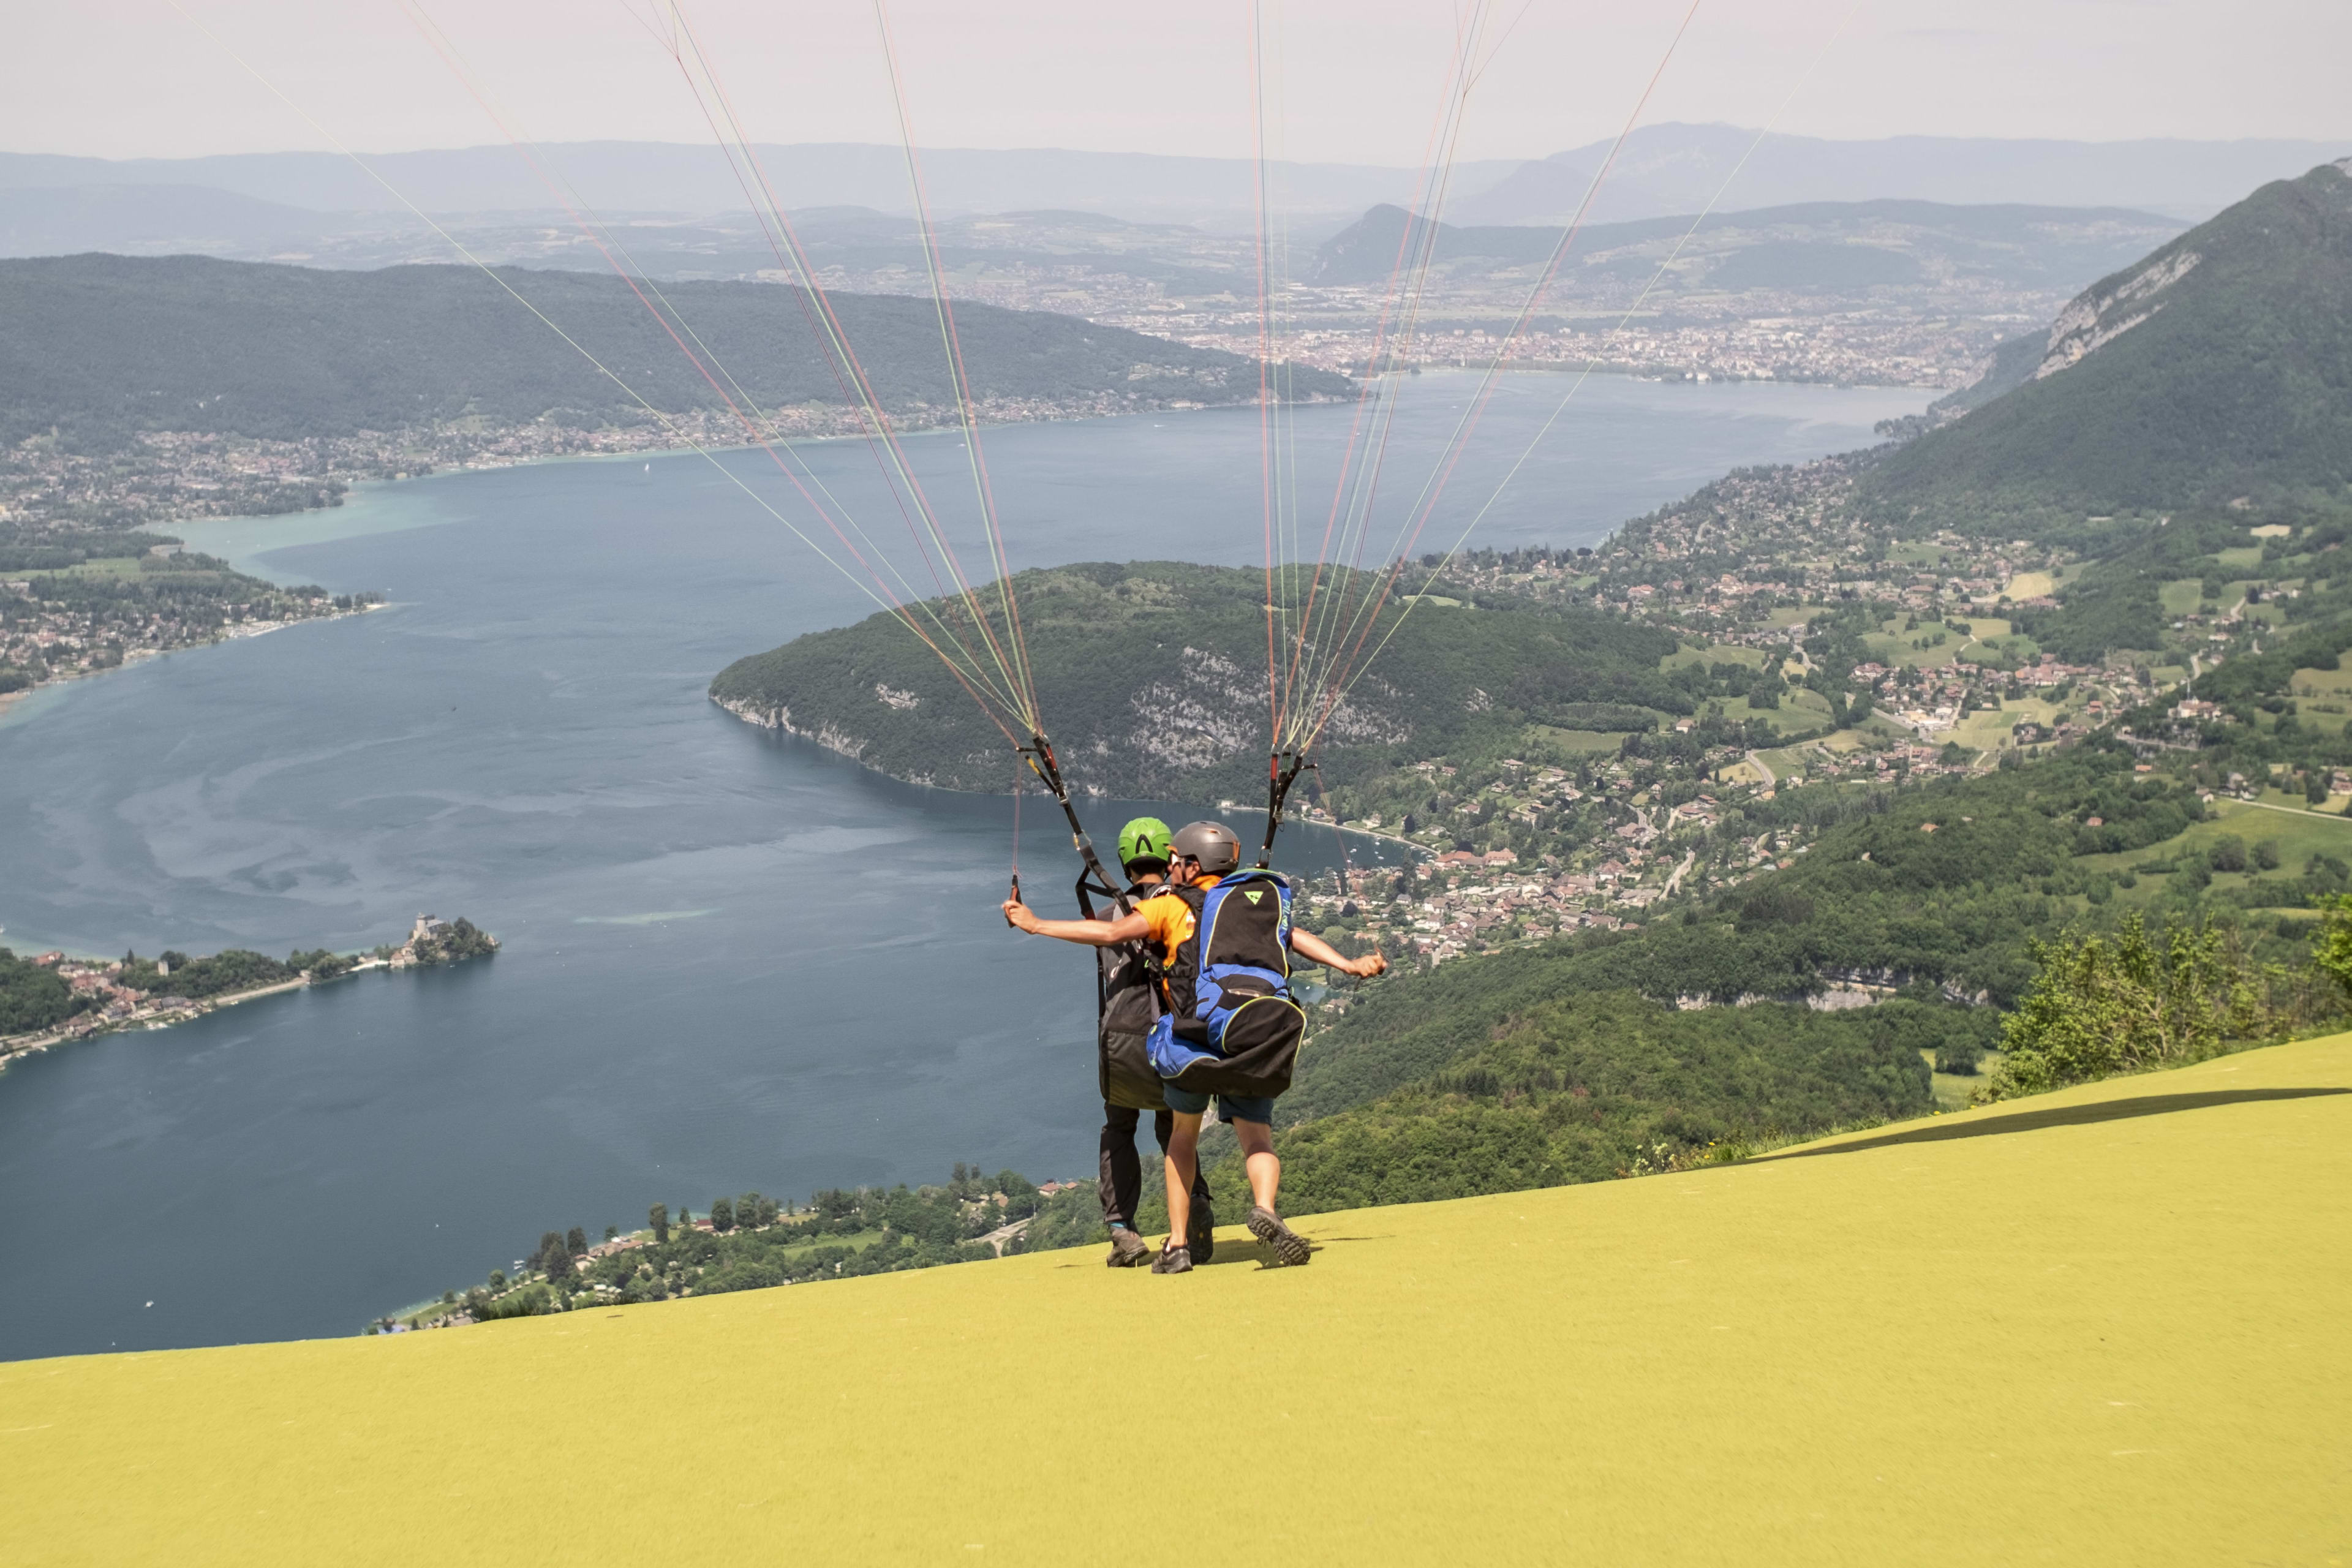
(1820, 658)
(49, 492)
(113, 600)
(65, 999)
(753, 1242)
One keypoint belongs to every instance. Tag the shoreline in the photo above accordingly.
(424, 948)
(844, 747)
(133, 657)
(357, 491)
(186, 1009)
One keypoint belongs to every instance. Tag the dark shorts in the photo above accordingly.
(1230, 1107)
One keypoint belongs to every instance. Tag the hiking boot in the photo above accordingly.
(1127, 1251)
(1290, 1249)
(1200, 1233)
(1173, 1260)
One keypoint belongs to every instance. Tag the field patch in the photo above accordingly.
(1800, 708)
(1899, 648)
(1985, 729)
(1542, 735)
(2182, 596)
(1715, 653)
(2299, 835)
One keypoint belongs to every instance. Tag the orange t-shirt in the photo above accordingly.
(1169, 920)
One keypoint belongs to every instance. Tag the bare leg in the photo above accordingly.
(1183, 1160)
(1258, 1160)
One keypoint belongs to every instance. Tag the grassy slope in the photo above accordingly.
(2100, 1326)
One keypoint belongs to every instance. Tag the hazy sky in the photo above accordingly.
(1357, 81)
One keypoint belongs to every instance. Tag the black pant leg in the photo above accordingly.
(1164, 1127)
(1119, 1175)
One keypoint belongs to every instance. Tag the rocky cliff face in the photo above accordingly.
(2095, 319)
(2214, 369)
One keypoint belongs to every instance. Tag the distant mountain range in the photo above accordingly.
(646, 177)
(1665, 169)
(1680, 168)
(2215, 370)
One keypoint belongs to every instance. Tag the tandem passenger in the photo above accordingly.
(1231, 1029)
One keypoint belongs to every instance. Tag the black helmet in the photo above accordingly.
(1213, 844)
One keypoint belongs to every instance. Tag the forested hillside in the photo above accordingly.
(2214, 371)
(1152, 676)
(1935, 889)
(103, 346)
(1609, 1051)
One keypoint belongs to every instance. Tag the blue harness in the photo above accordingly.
(1232, 1024)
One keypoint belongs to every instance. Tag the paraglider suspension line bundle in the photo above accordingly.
(1279, 776)
(1039, 756)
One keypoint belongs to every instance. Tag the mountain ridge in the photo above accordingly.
(2217, 368)
(104, 345)
(2018, 242)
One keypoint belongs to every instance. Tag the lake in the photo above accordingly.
(732, 960)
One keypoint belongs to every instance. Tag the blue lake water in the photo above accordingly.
(730, 960)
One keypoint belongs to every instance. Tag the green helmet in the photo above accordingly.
(1145, 838)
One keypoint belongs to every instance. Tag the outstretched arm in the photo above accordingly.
(1315, 950)
(1090, 934)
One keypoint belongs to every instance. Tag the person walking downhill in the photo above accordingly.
(1128, 1005)
(1230, 1030)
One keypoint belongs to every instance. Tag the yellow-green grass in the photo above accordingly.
(2032, 586)
(2321, 682)
(2243, 556)
(2101, 1326)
